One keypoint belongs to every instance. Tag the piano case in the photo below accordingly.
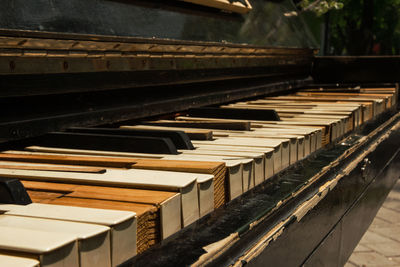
(90, 63)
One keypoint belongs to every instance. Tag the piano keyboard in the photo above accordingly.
(108, 198)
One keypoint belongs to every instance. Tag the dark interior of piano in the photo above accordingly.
(187, 132)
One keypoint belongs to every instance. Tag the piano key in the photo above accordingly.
(316, 107)
(293, 150)
(311, 135)
(179, 138)
(195, 120)
(217, 124)
(292, 111)
(234, 172)
(13, 192)
(222, 133)
(67, 159)
(293, 139)
(249, 166)
(216, 169)
(94, 244)
(247, 170)
(193, 133)
(367, 106)
(43, 167)
(43, 196)
(262, 124)
(17, 261)
(239, 170)
(185, 183)
(49, 248)
(296, 141)
(258, 159)
(332, 127)
(347, 122)
(109, 142)
(147, 216)
(250, 177)
(204, 182)
(281, 149)
(268, 155)
(169, 203)
(149, 222)
(141, 161)
(230, 113)
(320, 132)
(122, 224)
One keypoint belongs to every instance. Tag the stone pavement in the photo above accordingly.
(380, 245)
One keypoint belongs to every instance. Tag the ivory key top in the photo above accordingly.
(17, 261)
(94, 244)
(122, 224)
(49, 248)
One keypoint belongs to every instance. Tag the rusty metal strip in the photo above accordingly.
(37, 63)
(7, 42)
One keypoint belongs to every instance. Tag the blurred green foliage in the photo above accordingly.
(365, 27)
(319, 7)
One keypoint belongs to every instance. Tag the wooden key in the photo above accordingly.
(69, 160)
(153, 162)
(258, 161)
(185, 183)
(169, 203)
(52, 168)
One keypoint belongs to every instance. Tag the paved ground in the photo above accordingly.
(380, 245)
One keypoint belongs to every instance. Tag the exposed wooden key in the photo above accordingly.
(69, 160)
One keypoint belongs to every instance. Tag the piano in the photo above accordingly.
(187, 132)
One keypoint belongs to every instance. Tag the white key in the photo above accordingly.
(134, 178)
(122, 224)
(49, 248)
(17, 261)
(94, 242)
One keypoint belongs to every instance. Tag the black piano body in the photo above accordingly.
(74, 63)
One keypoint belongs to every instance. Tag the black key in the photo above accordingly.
(120, 143)
(12, 191)
(235, 113)
(180, 139)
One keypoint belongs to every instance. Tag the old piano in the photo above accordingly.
(193, 132)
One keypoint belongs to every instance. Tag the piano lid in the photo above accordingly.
(264, 25)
